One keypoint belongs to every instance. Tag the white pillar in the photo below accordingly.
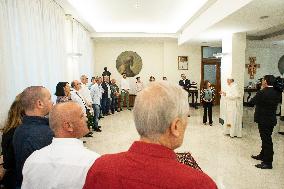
(233, 63)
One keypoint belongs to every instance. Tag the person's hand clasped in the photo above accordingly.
(222, 93)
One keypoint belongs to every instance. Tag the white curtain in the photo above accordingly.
(33, 48)
(80, 50)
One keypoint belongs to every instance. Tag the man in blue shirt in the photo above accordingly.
(34, 133)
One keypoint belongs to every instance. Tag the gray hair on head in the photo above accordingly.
(30, 96)
(157, 106)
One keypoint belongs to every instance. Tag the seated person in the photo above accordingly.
(65, 162)
(151, 162)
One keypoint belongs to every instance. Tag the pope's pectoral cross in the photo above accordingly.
(252, 66)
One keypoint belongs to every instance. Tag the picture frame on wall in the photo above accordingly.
(182, 62)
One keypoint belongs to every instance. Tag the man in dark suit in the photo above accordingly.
(106, 96)
(266, 102)
(185, 83)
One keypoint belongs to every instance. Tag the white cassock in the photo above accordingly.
(233, 111)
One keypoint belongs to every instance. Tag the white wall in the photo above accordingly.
(266, 56)
(159, 58)
(232, 64)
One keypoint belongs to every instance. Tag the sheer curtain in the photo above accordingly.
(33, 48)
(80, 50)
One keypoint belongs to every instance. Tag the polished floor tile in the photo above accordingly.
(225, 159)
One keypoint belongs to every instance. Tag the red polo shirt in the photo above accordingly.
(145, 166)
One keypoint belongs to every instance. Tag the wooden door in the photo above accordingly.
(211, 70)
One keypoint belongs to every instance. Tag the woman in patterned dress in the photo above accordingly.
(207, 95)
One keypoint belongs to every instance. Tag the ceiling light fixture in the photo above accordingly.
(137, 4)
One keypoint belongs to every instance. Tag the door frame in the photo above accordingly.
(217, 62)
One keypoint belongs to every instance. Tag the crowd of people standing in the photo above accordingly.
(32, 141)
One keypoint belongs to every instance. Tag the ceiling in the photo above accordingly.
(189, 21)
(144, 16)
(247, 19)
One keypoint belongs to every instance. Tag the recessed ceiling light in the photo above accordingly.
(263, 17)
(137, 4)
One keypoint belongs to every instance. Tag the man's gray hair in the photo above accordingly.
(157, 106)
(30, 96)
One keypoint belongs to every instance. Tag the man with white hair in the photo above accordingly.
(151, 162)
(65, 162)
(85, 92)
(233, 113)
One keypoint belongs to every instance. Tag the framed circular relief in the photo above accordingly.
(281, 65)
(129, 62)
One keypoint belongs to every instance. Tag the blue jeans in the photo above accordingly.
(114, 104)
(105, 105)
(97, 110)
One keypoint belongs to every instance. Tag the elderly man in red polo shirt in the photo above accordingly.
(160, 116)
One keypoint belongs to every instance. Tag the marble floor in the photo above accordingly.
(226, 160)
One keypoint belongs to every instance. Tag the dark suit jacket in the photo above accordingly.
(9, 164)
(105, 87)
(185, 84)
(266, 101)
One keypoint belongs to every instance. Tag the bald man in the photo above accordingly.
(65, 162)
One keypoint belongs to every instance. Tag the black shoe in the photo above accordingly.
(88, 135)
(101, 117)
(258, 157)
(263, 166)
(98, 130)
(129, 109)
(281, 133)
(210, 124)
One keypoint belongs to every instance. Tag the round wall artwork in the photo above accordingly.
(281, 65)
(129, 62)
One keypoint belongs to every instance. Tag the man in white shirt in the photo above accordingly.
(125, 87)
(139, 85)
(76, 97)
(85, 92)
(65, 162)
(96, 94)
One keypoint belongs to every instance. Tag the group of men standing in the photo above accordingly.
(49, 154)
(265, 101)
(100, 98)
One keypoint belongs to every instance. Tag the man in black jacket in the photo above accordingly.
(185, 83)
(266, 101)
(106, 96)
(34, 133)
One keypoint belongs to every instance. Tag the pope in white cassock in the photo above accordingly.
(233, 109)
